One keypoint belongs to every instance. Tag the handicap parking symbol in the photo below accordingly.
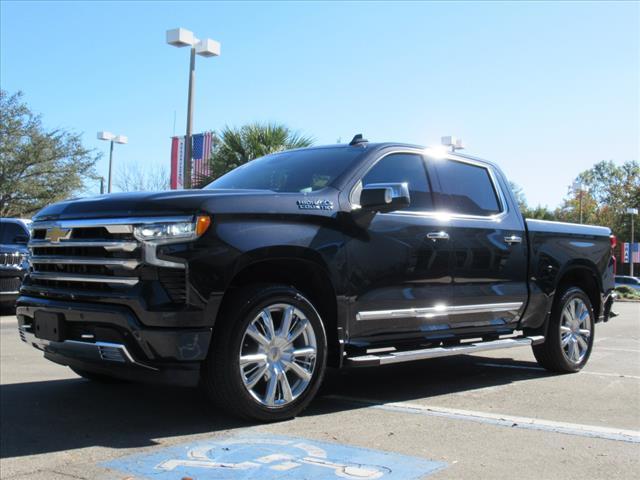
(270, 457)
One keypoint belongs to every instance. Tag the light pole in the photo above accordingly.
(180, 37)
(631, 212)
(577, 186)
(110, 137)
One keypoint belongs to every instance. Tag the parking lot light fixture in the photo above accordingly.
(453, 143)
(111, 138)
(181, 37)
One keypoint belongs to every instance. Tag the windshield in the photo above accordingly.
(9, 231)
(295, 171)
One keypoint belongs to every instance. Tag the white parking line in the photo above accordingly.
(511, 421)
(517, 367)
(613, 349)
(607, 374)
(540, 369)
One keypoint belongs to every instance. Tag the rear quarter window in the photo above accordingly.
(467, 189)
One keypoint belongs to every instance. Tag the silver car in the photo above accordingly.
(628, 281)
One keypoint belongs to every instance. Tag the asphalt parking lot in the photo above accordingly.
(490, 415)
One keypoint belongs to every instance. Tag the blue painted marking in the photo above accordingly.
(271, 457)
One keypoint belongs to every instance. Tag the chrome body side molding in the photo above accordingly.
(438, 311)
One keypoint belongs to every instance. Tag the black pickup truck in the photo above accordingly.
(349, 255)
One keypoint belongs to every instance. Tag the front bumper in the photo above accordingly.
(109, 339)
(8, 297)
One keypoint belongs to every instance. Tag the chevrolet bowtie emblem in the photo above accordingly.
(54, 234)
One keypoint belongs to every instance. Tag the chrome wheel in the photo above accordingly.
(575, 330)
(278, 355)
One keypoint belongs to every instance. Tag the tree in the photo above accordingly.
(540, 212)
(37, 167)
(608, 190)
(521, 199)
(132, 178)
(236, 146)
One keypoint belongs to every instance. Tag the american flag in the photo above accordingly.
(202, 144)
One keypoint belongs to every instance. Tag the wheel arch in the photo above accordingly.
(584, 275)
(301, 269)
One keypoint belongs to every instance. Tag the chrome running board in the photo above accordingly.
(386, 358)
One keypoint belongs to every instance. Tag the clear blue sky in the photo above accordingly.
(545, 89)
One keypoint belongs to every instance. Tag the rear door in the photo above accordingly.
(489, 251)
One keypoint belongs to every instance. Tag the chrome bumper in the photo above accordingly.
(96, 352)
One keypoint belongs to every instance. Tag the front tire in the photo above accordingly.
(268, 354)
(570, 334)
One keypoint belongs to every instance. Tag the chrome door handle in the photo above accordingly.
(513, 239)
(438, 236)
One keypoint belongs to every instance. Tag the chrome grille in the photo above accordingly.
(11, 259)
(98, 255)
(10, 284)
(85, 254)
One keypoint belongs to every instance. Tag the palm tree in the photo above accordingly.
(236, 146)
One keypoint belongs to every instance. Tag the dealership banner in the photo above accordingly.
(630, 252)
(201, 146)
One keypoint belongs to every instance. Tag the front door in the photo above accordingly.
(399, 271)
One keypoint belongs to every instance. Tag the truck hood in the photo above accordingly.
(181, 202)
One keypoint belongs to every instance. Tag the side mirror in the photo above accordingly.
(21, 239)
(385, 197)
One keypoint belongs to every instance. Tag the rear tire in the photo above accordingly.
(569, 340)
(268, 354)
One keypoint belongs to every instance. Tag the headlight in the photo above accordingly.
(172, 231)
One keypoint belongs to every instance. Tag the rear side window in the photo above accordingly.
(401, 168)
(467, 188)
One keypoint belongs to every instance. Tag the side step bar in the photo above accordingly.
(371, 360)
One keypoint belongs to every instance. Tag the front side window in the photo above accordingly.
(401, 168)
(304, 171)
(467, 189)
